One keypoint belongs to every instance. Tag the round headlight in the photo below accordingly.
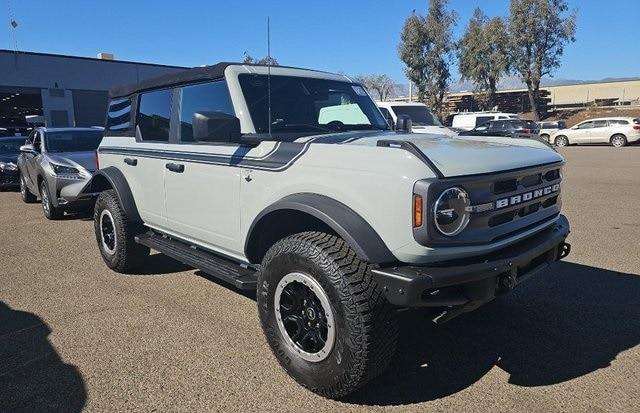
(450, 212)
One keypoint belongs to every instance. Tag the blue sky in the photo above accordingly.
(358, 36)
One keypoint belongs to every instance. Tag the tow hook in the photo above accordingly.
(507, 282)
(564, 250)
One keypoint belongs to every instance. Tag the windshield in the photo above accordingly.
(420, 115)
(73, 141)
(309, 105)
(10, 146)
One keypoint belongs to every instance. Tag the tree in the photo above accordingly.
(426, 47)
(539, 31)
(383, 86)
(247, 58)
(483, 55)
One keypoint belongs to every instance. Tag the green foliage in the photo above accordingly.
(483, 55)
(538, 32)
(426, 47)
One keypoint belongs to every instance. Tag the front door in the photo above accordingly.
(202, 185)
(583, 133)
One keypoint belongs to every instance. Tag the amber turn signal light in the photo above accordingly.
(417, 211)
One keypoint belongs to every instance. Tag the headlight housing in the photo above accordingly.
(64, 170)
(8, 166)
(451, 211)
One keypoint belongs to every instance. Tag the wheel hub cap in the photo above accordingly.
(304, 316)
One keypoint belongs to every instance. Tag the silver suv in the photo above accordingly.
(617, 132)
(56, 164)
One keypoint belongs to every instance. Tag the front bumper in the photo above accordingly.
(9, 178)
(70, 192)
(467, 283)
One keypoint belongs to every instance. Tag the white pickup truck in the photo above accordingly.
(256, 176)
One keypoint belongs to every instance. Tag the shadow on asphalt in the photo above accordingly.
(158, 264)
(553, 328)
(32, 375)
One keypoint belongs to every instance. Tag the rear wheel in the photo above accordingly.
(115, 234)
(545, 137)
(25, 194)
(618, 141)
(561, 141)
(50, 211)
(324, 317)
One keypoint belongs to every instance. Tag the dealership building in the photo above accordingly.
(59, 91)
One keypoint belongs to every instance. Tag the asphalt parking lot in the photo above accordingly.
(74, 335)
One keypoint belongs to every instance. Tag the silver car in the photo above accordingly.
(55, 164)
(617, 132)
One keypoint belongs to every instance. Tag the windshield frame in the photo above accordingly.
(360, 98)
(48, 141)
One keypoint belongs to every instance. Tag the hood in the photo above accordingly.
(12, 157)
(86, 160)
(458, 156)
(434, 130)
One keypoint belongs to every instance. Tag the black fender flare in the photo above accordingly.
(118, 182)
(350, 226)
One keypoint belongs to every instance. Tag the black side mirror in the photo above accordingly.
(404, 124)
(215, 127)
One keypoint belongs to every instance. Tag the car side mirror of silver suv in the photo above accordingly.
(404, 124)
(28, 148)
(215, 127)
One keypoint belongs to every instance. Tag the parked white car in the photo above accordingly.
(422, 119)
(468, 121)
(548, 128)
(617, 132)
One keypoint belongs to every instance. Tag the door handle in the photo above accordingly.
(175, 167)
(131, 161)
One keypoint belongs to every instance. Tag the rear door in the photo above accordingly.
(202, 187)
(600, 132)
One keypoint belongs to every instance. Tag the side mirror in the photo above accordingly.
(404, 124)
(28, 148)
(215, 127)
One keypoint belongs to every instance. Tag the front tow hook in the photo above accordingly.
(564, 250)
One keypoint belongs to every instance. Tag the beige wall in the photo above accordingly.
(563, 95)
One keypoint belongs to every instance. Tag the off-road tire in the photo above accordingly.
(618, 140)
(48, 209)
(128, 254)
(561, 141)
(366, 327)
(25, 194)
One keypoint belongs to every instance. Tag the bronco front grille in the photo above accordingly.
(512, 202)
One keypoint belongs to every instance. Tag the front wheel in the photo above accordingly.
(325, 319)
(115, 234)
(50, 211)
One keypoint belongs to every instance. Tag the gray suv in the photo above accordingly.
(56, 164)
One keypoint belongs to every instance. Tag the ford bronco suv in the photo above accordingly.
(290, 182)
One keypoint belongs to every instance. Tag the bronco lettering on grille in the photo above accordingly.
(527, 196)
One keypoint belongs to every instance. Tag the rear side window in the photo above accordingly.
(205, 97)
(618, 122)
(154, 115)
(119, 115)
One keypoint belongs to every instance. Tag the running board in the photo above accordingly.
(221, 268)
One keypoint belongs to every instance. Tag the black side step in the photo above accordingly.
(224, 269)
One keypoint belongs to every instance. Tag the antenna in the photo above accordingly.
(269, 71)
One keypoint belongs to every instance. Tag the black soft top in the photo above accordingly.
(183, 76)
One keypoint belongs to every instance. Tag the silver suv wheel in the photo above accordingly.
(304, 316)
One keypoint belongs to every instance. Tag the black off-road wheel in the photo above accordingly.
(49, 210)
(323, 315)
(25, 194)
(115, 235)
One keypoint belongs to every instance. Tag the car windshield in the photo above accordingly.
(73, 141)
(309, 105)
(420, 115)
(10, 146)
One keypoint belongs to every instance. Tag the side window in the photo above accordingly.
(618, 122)
(37, 141)
(480, 120)
(388, 117)
(585, 125)
(119, 115)
(205, 97)
(600, 124)
(154, 115)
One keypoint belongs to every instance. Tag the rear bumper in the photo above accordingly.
(471, 282)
